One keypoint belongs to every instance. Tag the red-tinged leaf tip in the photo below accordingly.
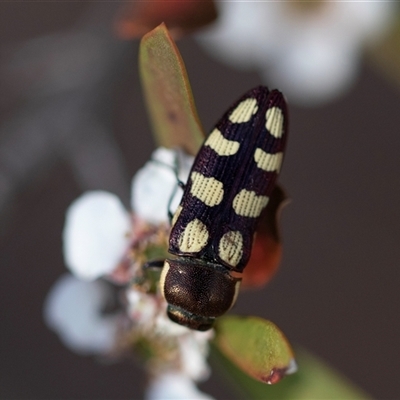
(256, 346)
(265, 258)
(314, 380)
(168, 93)
(277, 374)
(266, 254)
(182, 17)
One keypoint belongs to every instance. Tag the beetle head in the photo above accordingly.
(197, 291)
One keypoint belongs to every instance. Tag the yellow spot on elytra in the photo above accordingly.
(209, 190)
(222, 146)
(274, 121)
(230, 248)
(248, 204)
(194, 237)
(244, 111)
(237, 288)
(176, 215)
(266, 161)
(163, 275)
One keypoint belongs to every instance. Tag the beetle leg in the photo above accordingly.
(154, 264)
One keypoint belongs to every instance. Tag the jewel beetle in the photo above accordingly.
(212, 230)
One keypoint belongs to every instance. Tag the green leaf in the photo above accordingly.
(313, 380)
(167, 92)
(256, 346)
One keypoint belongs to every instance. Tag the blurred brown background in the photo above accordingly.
(337, 292)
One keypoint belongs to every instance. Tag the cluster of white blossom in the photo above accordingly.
(309, 50)
(105, 242)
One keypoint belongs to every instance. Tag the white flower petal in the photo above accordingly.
(316, 73)
(95, 234)
(154, 184)
(142, 307)
(311, 55)
(292, 368)
(174, 386)
(193, 352)
(73, 310)
(365, 20)
(235, 37)
(164, 326)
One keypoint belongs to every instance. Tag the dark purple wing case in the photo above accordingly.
(231, 178)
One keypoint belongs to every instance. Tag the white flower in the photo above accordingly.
(174, 386)
(95, 234)
(102, 239)
(292, 368)
(194, 350)
(154, 184)
(97, 231)
(164, 326)
(73, 310)
(142, 307)
(310, 53)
